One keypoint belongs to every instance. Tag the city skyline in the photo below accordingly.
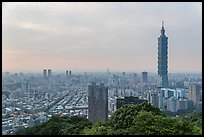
(100, 36)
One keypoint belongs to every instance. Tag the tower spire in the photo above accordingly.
(162, 29)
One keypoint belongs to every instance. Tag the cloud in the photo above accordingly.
(110, 32)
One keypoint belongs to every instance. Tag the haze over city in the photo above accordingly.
(96, 36)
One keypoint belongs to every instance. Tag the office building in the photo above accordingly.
(44, 73)
(194, 95)
(25, 86)
(148, 96)
(162, 60)
(161, 99)
(181, 93)
(135, 77)
(49, 73)
(144, 77)
(97, 102)
(172, 104)
(168, 92)
(128, 100)
(123, 74)
(111, 105)
(182, 104)
(67, 73)
(154, 99)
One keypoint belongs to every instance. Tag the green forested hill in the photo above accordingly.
(57, 125)
(142, 119)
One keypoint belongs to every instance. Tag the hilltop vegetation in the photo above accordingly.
(57, 125)
(142, 119)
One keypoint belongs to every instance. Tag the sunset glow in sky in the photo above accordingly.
(96, 36)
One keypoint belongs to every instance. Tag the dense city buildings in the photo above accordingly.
(128, 100)
(97, 102)
(144, 77)
(162, 59)
(101, 68)
(29, 99)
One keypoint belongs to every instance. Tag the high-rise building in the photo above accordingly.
(168, 92)
(182, 104)
(160, 99)
(67, 73)
(49, 73)
(154, 99)
(135, 76)
(162, 59)
(44, 73)
(172, 104)
(25, 86)
(97, 102)
(144, 77)
(123, 74)
(194, 95)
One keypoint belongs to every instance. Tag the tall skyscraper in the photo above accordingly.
(97, 102)
(162, 59)
(144, 77)
(44, 73)
(67, 73)
(49, 73)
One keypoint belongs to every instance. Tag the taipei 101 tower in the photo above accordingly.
(162, 59)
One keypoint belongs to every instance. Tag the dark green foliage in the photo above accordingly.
(143, 119)
(195, 118)
(30, 131)
(146, 123)
(123, 117)
(58, 126)
(98, 128)
(140, 119)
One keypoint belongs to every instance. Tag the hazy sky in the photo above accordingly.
(120, 36)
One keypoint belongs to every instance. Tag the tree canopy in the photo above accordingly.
(143, 119)
(64, 125)
(130, 119)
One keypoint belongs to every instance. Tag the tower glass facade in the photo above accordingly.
(162, 59)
